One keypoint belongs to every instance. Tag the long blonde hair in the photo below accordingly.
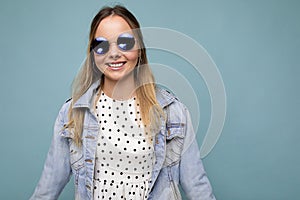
(151, 112)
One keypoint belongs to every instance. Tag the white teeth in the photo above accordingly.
(115, 65)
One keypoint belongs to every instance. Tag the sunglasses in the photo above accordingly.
(125, 42)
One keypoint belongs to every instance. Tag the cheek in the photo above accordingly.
(99, 61)
(132, 56)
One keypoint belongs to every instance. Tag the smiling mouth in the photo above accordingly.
(115, 65)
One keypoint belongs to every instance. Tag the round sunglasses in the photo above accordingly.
(125, 42)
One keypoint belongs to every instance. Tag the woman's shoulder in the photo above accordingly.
(168, 99)
(175, 110)
(63, 112)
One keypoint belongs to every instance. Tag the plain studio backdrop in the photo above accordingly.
(254, 44)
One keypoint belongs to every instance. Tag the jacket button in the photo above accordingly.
(169, 132)
(88, 160)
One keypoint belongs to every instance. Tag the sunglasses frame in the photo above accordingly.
(97, 41)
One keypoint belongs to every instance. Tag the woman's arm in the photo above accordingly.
(193, 177)
(57, 170)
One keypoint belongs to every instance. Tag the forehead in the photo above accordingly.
(112, 26)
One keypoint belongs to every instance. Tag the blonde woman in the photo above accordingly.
(120, 135)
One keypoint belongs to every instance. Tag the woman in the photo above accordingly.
(120, 135)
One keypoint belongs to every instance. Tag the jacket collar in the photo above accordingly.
(163, 96)
(86, 100)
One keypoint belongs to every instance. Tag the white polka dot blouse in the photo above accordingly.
(124, 156)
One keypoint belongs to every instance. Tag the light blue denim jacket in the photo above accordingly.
(177, 155)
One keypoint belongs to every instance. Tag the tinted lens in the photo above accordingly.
(100, 46)
(126, 42)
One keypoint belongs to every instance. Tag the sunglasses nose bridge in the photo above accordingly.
(114, 50)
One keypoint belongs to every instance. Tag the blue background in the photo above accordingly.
(255, 45)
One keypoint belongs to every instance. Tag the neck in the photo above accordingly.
(121, 89)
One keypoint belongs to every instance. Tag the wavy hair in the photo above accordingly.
(151, 112)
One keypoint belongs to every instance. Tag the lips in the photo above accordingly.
(116, 65)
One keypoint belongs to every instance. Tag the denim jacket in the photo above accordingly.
(176, 150)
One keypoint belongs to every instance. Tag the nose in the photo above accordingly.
(114, 51)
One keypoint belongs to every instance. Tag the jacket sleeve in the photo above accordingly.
(193, 177)
(57, 170)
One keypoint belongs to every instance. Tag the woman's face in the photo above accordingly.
(116, 63)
